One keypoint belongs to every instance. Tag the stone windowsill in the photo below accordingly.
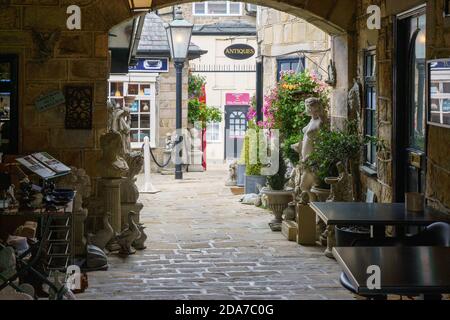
(371, 173)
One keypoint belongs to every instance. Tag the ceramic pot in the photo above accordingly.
(241, 175)
(252, 183)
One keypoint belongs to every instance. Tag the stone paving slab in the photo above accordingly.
(204, 244)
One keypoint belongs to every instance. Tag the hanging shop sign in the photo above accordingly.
(238, 99)
(240, 51)
(155, 65)
(50, 100)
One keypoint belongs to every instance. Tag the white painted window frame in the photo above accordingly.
(146, 79)
(228, 14)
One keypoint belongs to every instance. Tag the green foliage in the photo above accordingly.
(287, 105)
(195, 84)
(288, 153)
(278, 181)
(332, 147)
(198, 111)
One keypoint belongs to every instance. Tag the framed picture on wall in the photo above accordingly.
(439, 92)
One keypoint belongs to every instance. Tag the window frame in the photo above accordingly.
(228, 14)
(149, 84)
(281, 61)
(370, 109)
(216, 132)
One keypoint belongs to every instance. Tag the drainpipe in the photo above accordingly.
(259, 88)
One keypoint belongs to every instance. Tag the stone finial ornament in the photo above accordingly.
(112, 164)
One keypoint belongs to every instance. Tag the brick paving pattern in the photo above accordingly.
(204, 244)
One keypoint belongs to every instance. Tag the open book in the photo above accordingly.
(44, 165)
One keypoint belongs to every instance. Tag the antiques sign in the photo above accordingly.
(240, 51)
(50, 100)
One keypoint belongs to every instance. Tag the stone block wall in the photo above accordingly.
(280, 33)
(77, 58)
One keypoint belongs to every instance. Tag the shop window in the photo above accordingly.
(370, 120)
(217, 8)
(290, 64)
(140, 99)
(213, 132)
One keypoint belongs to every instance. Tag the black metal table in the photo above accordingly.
(410, 271)
(377, 215)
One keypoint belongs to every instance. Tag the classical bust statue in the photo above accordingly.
(112, 164)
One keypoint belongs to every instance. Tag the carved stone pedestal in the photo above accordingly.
(111, 196)
(306, 222)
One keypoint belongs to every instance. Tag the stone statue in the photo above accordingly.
(119, 120)
(139, 243)
(112, 164)
(45, 43)
(128, 236)
(79, 181)
(103, 236)
(314, 109)
(331, 81)
(129, 192)
(354, 102)
(232, 174)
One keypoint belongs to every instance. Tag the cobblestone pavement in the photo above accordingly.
(204, 244)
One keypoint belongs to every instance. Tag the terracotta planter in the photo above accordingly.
(278, 201)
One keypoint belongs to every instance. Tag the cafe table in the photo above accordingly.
(377, 215)
(408, 271)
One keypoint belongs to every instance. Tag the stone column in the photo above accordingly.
(111, 190)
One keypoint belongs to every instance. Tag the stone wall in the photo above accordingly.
(280, 35)
(438, 46)
(78, 58)
(166, 108)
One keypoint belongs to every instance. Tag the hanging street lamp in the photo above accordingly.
(179, 33)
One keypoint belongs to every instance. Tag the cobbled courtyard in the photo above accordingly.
(204, 244)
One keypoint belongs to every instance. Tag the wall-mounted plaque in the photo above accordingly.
(439, 92)
(50, 100)
(240, 51)
(79, 107)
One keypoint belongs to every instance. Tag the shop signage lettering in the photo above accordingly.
(238, 99)
(154, 65)
(50, 100)
(74, 20)
(240, 51)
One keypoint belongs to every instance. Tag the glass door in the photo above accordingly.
(410, 106)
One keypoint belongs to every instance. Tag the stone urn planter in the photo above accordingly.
(241, 175)
(252, 183)
(277, 202)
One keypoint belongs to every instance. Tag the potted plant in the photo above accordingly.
(278, 198)
(253, 178)
(332, 147)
